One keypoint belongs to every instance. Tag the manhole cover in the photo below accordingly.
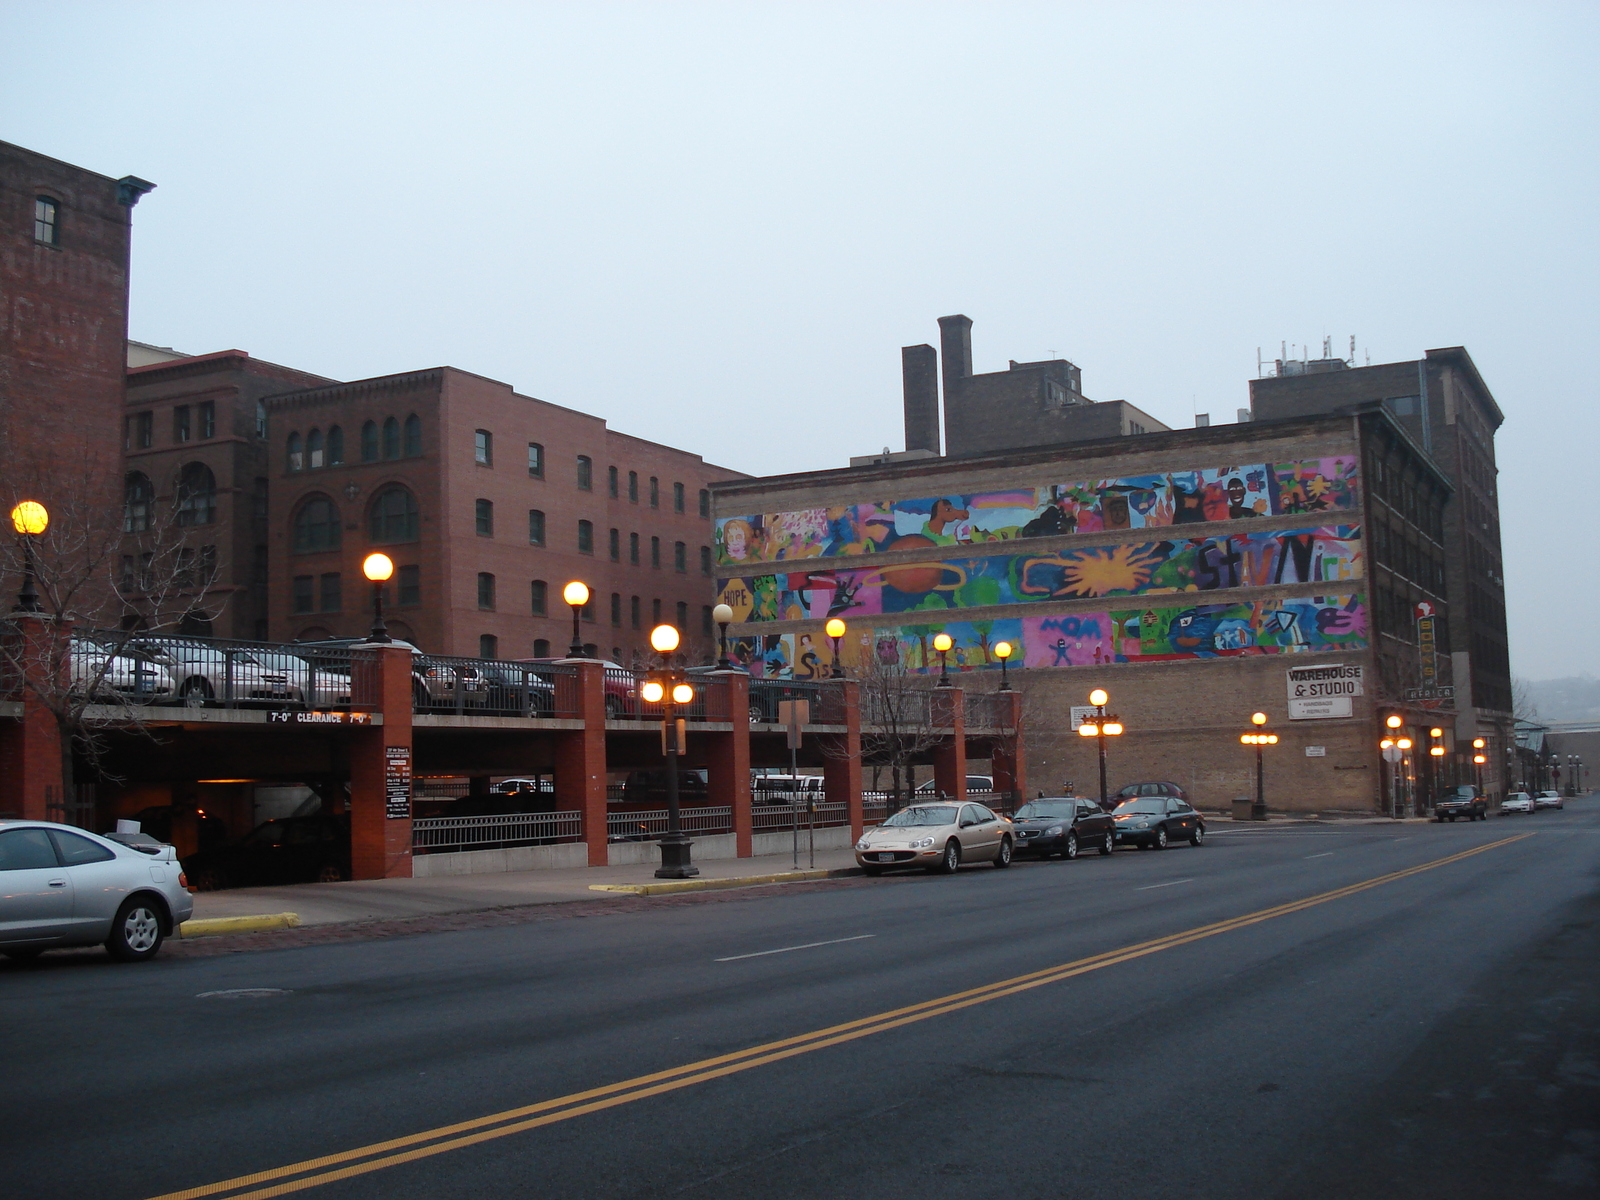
(244, 994)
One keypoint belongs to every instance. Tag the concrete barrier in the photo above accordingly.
(214, 926)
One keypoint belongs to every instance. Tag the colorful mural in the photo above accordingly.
(1326, 555)
(1165, 634)
(1126, 502)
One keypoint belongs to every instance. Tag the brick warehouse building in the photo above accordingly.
(488, 502)
(1062, 550)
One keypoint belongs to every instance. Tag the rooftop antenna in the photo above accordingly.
(1352, 349)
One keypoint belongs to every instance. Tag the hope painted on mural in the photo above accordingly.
(1325, 555)
(1126, 502)
(1302, 625)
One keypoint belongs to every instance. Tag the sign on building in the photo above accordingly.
(1427, 646)
(1323, 692)
(1323, 708)
(1079, 714)
(397, 782)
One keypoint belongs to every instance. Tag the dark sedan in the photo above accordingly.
(1063, 825)
(312, 849)
(1462, 801)
(1155, 822)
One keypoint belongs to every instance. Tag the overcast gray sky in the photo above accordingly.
(715, 224)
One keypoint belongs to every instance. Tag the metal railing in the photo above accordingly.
(767, 694)
(430, 835)
(648, 825)
(776, 818)
(488, 687)
(989, 711)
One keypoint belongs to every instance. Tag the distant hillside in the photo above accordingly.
(1573, 699)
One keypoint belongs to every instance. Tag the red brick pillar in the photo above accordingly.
(30, 747)
(841, 764)
(950, 756)
(581, 761)
(728, 757)
(1006, 759)
(380, 768)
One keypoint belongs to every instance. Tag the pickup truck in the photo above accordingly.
(1463, 801)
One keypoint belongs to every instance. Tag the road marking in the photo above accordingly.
(462, 1134)
(786, 949)
(1174, 883)
(1324, 854)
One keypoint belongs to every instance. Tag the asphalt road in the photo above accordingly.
(1433, 1033)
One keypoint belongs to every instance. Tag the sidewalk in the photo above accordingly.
(381, 899)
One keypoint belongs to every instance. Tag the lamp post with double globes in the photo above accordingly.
(1479, 745)
(1101, 726)
(1259, 737)
(378, 568)
(576, 594)
(29, 519)
(835, 630)
(667, 687)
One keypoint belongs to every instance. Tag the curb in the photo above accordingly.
(736, 881)
(212, 926)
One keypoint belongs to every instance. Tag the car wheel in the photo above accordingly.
(1109, 846)
(1160, 842)
(613, 708)
(136, 932)
(209, 879)
(1198, 837)
(330, 873)
(873, 871)
(950, 859)
(196, 693)
(1002, 856)
(756, 715)
(1070, 850)
(23, 954)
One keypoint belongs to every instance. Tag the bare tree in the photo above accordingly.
(899, 717)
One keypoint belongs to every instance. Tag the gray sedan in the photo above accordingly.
(61, 886)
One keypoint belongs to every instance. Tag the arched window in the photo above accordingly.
(391, 438)
(137, 494)
(316, 526)
(394, 516)
(293, 460)
(369, 442)
(336, 446)
(413, 436)
(314, 458)
(197, 495)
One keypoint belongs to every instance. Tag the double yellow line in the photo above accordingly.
(315, 1172)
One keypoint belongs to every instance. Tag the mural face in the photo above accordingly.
(1326, 555)
(1126, 502)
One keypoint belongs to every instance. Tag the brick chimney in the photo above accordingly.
(955, 348)
(919, 372)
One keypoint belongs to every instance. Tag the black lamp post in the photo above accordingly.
(1258, 738)
(1003, 651)
(942, 643)
(29, 519)
(378, 568)
(722, 614)
(668, 688)
(835, 630)
(576, 594)
(1102, 726)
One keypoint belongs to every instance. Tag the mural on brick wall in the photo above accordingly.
(1126, 502)
(1169, 633)
(1204, 564)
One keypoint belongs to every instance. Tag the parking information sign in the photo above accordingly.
(1323, 692)
(397, 782)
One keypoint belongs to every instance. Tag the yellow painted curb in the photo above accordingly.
(703, 885)
(213, 926)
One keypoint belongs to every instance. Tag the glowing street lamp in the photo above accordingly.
(378, 568)
(29, 519)
(835, 630)
(1101, 726)
(667, 687)
(942, 643)
(1003, 651)
(1258, 738)
(722, 614)
(576, 594)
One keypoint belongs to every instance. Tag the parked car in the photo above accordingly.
(116, 677)
(1516, 802)
(1462, 801)
(649, 786)
(435, 683)
(975, 783)
(290, 850)
(66, 887)
(620, 684)
(937, 837)
(204, 673)
(1064, 825)
(516, 689)
(1156, 788)
(157, 822)
(309, 685)
(1155, 822)
(1548, 799)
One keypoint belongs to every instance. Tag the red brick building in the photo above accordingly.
(488, 502)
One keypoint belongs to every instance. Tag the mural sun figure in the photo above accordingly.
(1102, 572)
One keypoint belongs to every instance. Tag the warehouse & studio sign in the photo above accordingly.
(1323, 692)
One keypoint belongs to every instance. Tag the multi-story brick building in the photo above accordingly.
(488, 502)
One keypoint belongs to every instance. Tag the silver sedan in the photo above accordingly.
(61, 886)
(937, 837)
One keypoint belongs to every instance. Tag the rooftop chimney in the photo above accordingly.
(955, 348)
(919, 372)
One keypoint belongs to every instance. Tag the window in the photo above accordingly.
(540, 591)
(336, 446)
(705, 560)
(144, 428)
(486, 590)
(483, 448)
(611, 482)
(483, 517)
(207, 414)
(180, 423)
(261, 418)
(75, 850)
(410, 585)
(197, 495)
(705, 502)
(633, 486)
(655, 552)
(488, 646)
(655, 612)
(369, 442)
(585, 473)
(615, 545)
(541, 647)
(314, 449)
(183, 568)
(585, 537)
(535, 527)
(305, 596)
(329, 596)
(316, 526)
(633, 611)
(413, 436)
(391, 438)
(677, 497)
(655, 492)
(138, 493)
(705, 619)
(616, 609)
(633, 548)
(683, 614)
(394, 516)
(293, 459)
(46, 226)
(535, 460)
(680, 558)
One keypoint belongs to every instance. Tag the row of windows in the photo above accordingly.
(195, 498)
(191, 568)
(483, 455)
(489, 644)
(392, 518)
(190, 423)
(388, 442)
(325, 593)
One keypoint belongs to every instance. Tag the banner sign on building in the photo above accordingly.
(1427, 647)
(397, 782)
(1335, 679)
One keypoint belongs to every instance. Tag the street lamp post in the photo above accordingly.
(942, 643)
(1258, 738)
(1436, 753)
(1003, 651)
(576, 594)
(29, 519)
(1103, 725)
(1478, 759)
(835, 630)
(378, 568)
(723, 616)
(668, 688)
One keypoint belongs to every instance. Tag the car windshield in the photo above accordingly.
(924, 814)
(1152, 807)
(282, 662)
(1047, 808)
(1549, 793)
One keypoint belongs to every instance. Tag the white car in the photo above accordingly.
(308, 685)
(204, 674)
(1516, 802)
(937, 837)
(117, 678)
(1549, 799)
(61, 886)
